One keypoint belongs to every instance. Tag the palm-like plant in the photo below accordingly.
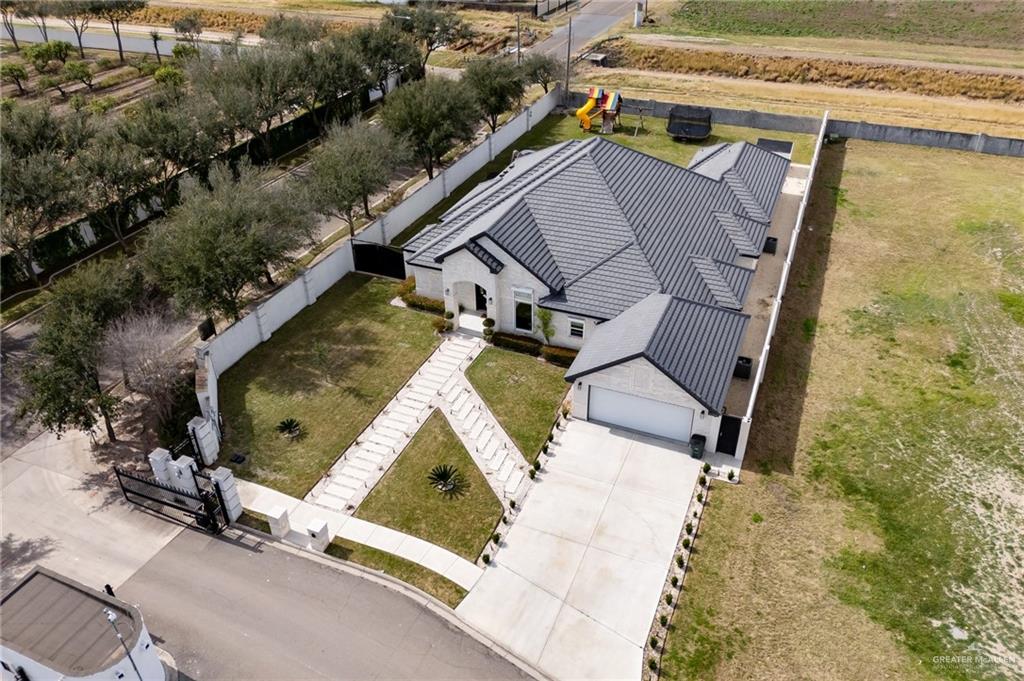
(447, 480)
(290, 428)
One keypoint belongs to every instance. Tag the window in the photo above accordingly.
(524, 309)
(576, 327)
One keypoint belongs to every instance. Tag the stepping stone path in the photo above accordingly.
(439, 383)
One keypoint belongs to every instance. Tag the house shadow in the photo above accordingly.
(777, 414)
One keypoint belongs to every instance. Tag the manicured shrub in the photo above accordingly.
(406, 287)
(486, 558)
(448, 326)
(674, 581)
(707, 468)
(419, 302)
(731, 476)
(700, 498)
(654, 642)
(290, 428)
(504, 519)
(536, 465)
(551, 437)
(680, 561)
(652, 664)
(532, 473)
(512, 504)
(544, 448)
(565, 411)
(496, 537)
(668, 598)
(703, 481)
(562, 357)
(439, 324)
(664, 620)
(686, 542)
(509, 341)
(488, 323)
(488, 334)
(449, 314)
(689, 527)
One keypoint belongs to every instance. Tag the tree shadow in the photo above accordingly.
(777, 414)
(21, 554)
(136, 438)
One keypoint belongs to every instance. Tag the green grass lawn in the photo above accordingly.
(652, 139)
(333, 367)
(405, 501)
(885, 457)
(523, 392)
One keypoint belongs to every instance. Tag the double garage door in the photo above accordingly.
(641, 414)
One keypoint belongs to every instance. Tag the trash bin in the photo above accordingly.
(697, 446)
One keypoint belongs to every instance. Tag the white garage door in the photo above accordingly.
(640, 413)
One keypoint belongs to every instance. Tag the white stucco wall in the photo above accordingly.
(640, 377)
(144, 655)
(428, 282)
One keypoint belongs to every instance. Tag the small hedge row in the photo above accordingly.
(562, 357)
(407, 292)
(510, 341)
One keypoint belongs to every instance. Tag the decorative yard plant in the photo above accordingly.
(447, 480)
(290, 428)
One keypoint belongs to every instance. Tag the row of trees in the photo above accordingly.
(77, 14)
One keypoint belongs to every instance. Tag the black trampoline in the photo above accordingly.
(689, 122)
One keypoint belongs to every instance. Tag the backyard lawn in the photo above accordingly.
(333, 367)
(651, 140)
(877, 531)
(404, 500)
(523, 392)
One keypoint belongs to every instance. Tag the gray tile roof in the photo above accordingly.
(694, 344)
(603, 226)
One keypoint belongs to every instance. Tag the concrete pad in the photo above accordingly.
(11, 468)
(591, 455)
(438, 561)
(413, 548)
(580, 648)
(565, 505)
(620, 593)
(385, 539)
(545, 559)
(658, 468)
(640, 526)
(512, 610)
(261, 499)
(357, 530)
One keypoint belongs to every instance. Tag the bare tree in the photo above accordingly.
(138, 344)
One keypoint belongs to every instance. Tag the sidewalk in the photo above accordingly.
(264, 500)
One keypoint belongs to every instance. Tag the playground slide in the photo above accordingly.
(583, 113)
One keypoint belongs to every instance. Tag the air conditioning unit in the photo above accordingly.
(743, 367)
(771, 244)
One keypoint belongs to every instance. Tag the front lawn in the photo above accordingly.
(405, 501)
(523, 392)
(333, 367)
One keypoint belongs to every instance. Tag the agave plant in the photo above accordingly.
(446, 479)
(290, 428)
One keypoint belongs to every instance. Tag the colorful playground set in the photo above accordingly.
(605, 103)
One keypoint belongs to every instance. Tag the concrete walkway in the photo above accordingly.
(301, 514)
(578, 579)
(363, 464)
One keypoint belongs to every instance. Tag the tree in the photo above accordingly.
(64, 388)
(113, 173)
(498, 86)
(39, 55)
(190, 27)
(326, 71)
(76, 14)
(8, 10)
(353, 162)
(114, 12)
(80, 71)
(178, 132)
(251, 86)
(429, 25)
(292, 31)
(541, 69)
(155, 36)
(35, 11)
(14, 73)
(432, 114)
(218, 241)
(385, 51)
(138, 344)
(38, 189)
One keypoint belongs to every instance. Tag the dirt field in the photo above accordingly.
(887, 454)
(897, 108)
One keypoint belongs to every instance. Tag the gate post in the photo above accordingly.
(159, 459)
(181, 474)
(224, 479)
(204, 439)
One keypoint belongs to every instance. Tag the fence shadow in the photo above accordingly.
(777, 414)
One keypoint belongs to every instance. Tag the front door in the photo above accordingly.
(481, 299)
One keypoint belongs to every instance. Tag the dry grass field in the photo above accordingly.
(887, 456)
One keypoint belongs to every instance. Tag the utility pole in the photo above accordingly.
(519, 44)
(568, 60)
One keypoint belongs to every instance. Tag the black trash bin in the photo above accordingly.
(697, 446)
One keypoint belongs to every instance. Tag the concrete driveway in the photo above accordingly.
(575, 587)
(59, 509)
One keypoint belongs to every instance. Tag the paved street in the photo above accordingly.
(595, 19)
(235, 608)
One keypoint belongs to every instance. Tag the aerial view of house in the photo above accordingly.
(573, 341)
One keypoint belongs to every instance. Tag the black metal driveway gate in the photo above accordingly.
(205, 507)
(372, 258)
